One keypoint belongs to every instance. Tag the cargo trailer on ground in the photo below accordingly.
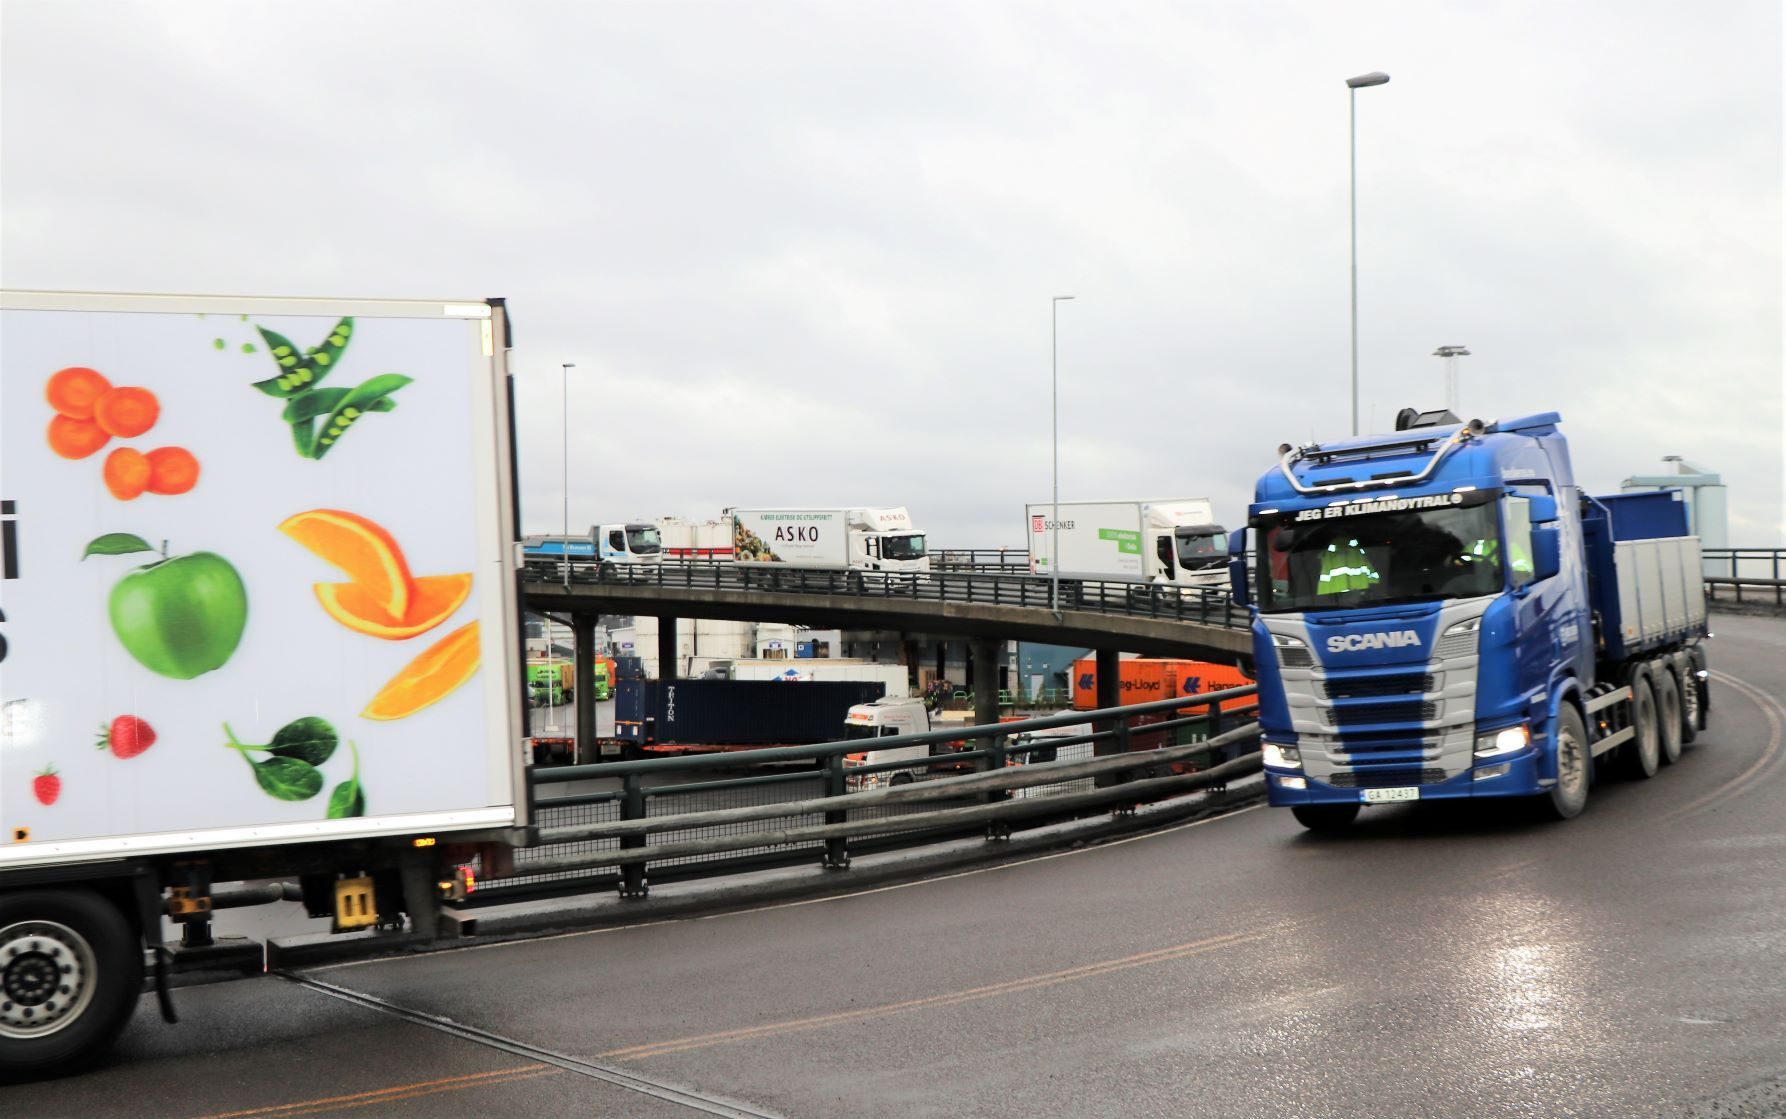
(710, 716)
(279, 535)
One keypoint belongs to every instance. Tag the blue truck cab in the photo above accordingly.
(1440, 613)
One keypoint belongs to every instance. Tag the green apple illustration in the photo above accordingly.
(181, 616)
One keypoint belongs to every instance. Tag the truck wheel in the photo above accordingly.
(1326, 819)
(1644, 751)
(900, 778)
(1569, 795)
(70, 974)
(1669, 722)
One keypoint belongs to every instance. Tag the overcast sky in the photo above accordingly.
(804, 253)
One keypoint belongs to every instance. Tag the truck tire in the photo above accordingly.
(70, 973)
(1670, 723)
(1569, 795)
(1643, 754)
(1325, 819)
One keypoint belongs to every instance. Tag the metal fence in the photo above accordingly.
(1745, 575)
(1204, 605)
(625, 824)
(1010, 561)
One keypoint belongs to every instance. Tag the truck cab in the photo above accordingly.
(886, 718)
(1201, 552)
(632, 542)
(884, 540)
(1424, 614)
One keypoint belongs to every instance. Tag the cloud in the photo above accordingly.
(804, 252)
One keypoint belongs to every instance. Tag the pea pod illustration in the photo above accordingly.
(301, 370)
(367, 397)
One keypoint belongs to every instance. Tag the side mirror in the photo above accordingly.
(1543, 508)
(1237, 585)
(1547, 551)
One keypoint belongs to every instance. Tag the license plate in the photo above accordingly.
(1387, 796)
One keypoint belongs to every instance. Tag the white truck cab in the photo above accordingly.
(885, 718)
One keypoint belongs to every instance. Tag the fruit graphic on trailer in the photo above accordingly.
(429, 678)
(73, 392)
(432, 600)
(126, 736)
(46, 786)
(363, 550)
(127, 473)
(76, 439)
(181, 616)
(172, 470)
(126, 412)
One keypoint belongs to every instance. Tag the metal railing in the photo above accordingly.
(661, 819)
(1745, 575)
(1204, 605)
(1010, 561)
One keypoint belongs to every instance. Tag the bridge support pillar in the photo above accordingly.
(667, 666)
(583, 687)
(984, 652)
(1109, 694)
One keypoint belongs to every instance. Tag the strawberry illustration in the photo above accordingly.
(46, 786)
(127, 737)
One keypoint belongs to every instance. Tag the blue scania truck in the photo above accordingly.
(1440, 613)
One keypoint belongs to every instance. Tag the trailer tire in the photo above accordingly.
(71, 934)
(1325, 819)
(1569, 795)
(1643, 756)
(1670, 723)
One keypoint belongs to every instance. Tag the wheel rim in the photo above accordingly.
(1572, 772)
(47, 972)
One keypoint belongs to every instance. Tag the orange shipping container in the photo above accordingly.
(1144, 679)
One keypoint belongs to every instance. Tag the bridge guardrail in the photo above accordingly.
(665, 819)
(1732, 573)
(1204, 605)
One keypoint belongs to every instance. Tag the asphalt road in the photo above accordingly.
(1630, 962)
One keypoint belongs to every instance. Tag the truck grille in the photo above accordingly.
(1295, 658)
(1368, 687)
(1358, 714)
(1386, 778)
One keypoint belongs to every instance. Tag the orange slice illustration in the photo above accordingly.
(361, 549)
(429, 678)
(432, 600)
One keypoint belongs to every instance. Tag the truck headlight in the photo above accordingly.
(1508, 740)
(1285, 641)
(1280, 757)
(1468, 625)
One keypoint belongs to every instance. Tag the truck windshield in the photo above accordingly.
(643, 540)
(1373, 558)
(1199, 549)
(854, 731)
(903, 547)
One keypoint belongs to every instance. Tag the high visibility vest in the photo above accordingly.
(1345, 567)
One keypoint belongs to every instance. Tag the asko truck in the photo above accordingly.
(861, 539)
(1441, 613)
(1172, 541)
(278, 536)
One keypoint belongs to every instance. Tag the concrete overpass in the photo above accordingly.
(1111, 618)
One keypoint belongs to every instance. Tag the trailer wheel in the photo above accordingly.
(70, 973)
(1669, 722)
(1325, 819)
(1569, 795)
(1644, 752)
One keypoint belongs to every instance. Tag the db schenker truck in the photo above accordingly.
(279, 535)
(1164, 542)
(1441, 613)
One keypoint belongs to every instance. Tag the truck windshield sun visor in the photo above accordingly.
(1377, 551)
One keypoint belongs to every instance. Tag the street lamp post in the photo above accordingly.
(1451, 354)
(1353, 85)
(565, 423)
(1054, 394)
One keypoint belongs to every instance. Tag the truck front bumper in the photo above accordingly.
(1510, 775)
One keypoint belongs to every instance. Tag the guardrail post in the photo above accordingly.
(632, 807)
(837, 850)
